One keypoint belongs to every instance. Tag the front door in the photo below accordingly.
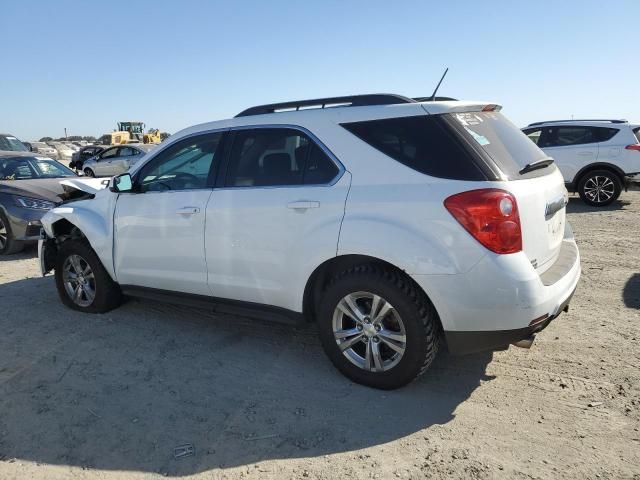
(159, 229)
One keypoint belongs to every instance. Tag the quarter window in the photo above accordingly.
(185, 165)
(533, 134)
(425, 143)
(277, 157)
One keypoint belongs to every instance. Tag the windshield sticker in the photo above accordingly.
(10, 138)
(481, 139)
(42, 158)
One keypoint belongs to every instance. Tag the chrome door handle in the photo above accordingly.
(303, 204)
(188, 211)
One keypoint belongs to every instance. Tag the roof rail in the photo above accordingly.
(581, 120)
(349, 101)
(436, 99)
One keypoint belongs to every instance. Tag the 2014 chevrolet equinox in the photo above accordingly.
(396, 225)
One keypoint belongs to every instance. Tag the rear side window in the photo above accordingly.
(426, 144)
(605, 134)
(637, 132)
(574, 136)
(277, 157)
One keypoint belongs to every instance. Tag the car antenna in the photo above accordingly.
(433, 96)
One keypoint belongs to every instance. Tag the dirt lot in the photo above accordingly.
(111, 396)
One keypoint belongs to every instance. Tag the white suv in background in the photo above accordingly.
(598, 158)
(394, 224)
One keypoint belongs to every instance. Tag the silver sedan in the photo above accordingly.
(115, 160)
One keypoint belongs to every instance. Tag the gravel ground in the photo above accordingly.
(112, 396)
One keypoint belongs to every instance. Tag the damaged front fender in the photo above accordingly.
(89, 216)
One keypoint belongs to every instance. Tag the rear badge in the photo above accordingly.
(534, 263)
(555, 206)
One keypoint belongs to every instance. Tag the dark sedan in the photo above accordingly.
(79, 157)
(29, 187)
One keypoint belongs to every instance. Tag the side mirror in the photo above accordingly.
(122, 183)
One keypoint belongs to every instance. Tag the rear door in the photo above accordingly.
(572, 147)
(277, 211)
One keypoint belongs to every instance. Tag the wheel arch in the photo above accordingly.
(82, 223)
(325, 271)
(597, 166)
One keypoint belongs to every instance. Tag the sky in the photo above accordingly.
(84, 65)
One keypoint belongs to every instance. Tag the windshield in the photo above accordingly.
(12, 144)
(29, 168)
(509, 148)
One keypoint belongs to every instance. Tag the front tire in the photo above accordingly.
(599, 188)
(89, 173)
(83, 283)
(8, 244)
(377, 327)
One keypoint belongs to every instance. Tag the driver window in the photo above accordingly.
(184, 165)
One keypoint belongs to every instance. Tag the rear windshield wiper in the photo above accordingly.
(529, 167)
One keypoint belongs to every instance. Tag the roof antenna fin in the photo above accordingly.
(433, 96)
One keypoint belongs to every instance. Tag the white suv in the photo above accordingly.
(395, 225)
(598, 158)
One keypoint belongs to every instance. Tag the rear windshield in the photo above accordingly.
(11, 144)
(509, 148)
(425, 143)
(637, 132)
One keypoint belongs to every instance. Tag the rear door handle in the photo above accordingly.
(303, 204)
(188, 211)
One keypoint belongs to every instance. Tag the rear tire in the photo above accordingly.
(82, 282)
(8, 244)
(372, 352)
(599, 188)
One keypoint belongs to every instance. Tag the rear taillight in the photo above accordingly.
(635, 146)
(491, 216)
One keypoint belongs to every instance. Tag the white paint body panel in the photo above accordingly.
(159, 240)
(261, 248)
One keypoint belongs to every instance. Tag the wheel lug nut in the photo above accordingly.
(376, 339)
(377, 328)
(359, 327)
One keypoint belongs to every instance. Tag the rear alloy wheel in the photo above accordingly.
(88, 172)
(83, 283)
(599, 188)
(369, 331)
(8, 244)
(377, 327)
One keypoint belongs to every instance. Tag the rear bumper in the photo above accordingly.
(502, 299)
(632, 179)
(461, 343)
